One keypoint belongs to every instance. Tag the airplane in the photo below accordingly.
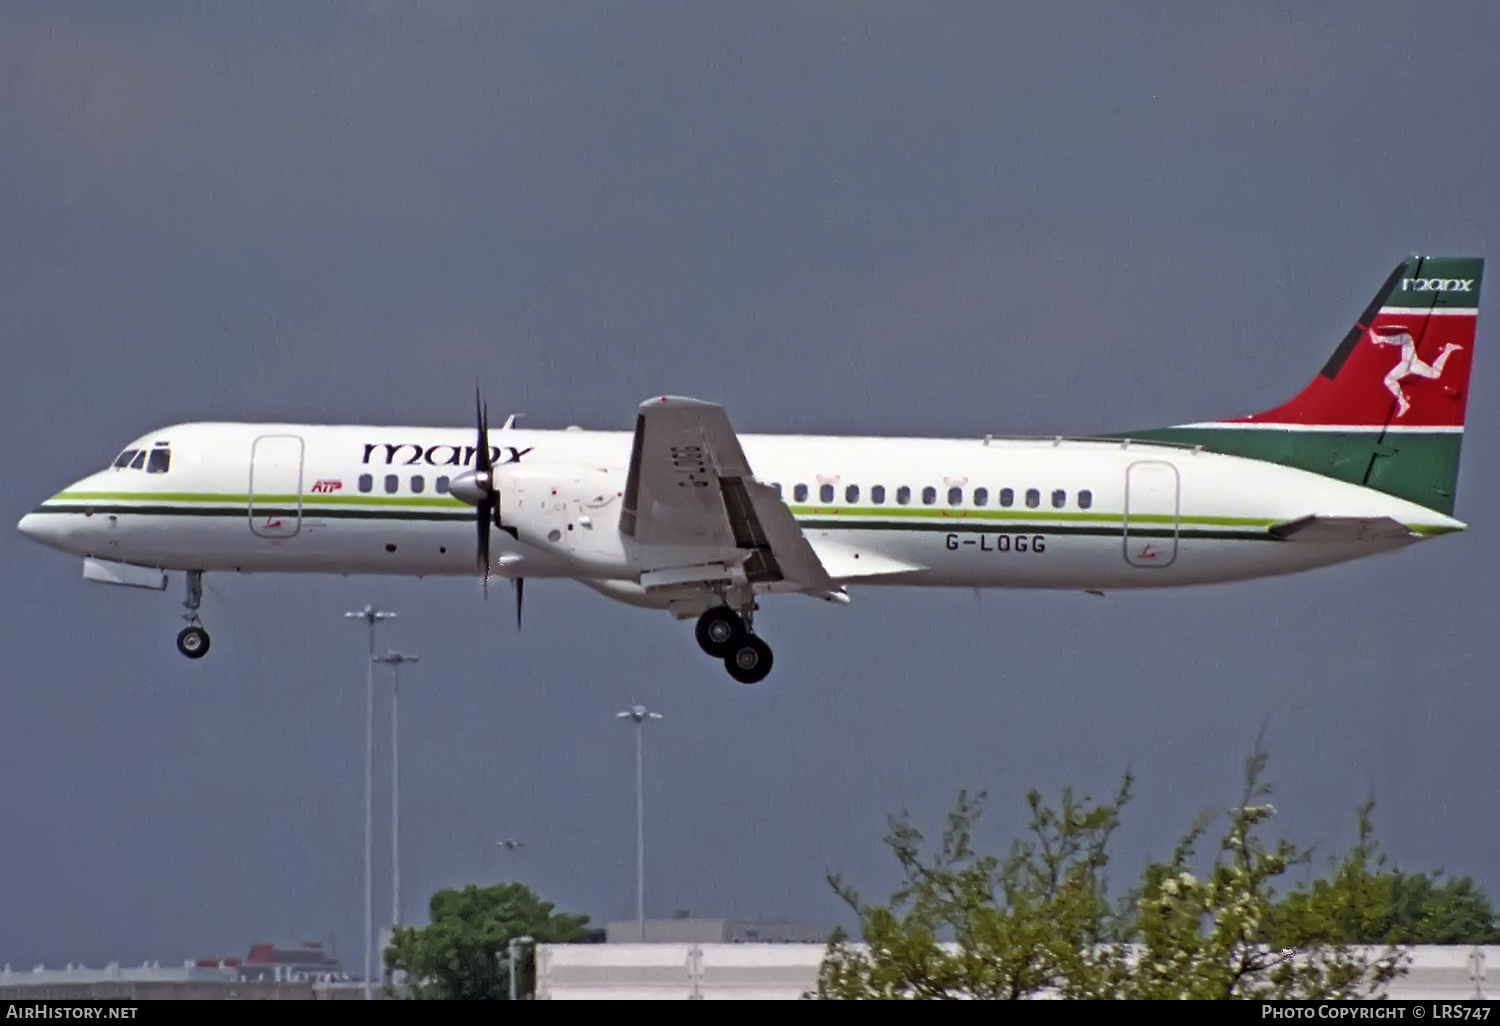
(683, 515)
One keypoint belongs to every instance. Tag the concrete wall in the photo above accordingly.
(184, 990)
(658, 972)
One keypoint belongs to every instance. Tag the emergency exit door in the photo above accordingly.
(276, 486)
(1152, 511)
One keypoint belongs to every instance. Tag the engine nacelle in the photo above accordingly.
(570, 510)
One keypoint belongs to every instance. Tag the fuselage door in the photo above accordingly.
(1151, 514)
(276, 486)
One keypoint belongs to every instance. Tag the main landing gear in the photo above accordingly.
(725, 634)
(192, 641)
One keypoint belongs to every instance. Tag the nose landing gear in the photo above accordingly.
(724, 634)
(192, 640)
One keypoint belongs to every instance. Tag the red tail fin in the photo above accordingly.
(1405, 363)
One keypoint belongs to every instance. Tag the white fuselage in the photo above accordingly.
(1001, 513)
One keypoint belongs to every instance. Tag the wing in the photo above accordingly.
(695, 511)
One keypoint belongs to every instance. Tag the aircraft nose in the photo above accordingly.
(31, 526)
(40, 527)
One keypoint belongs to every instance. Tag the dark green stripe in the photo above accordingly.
(1101, 531)
(459, 516)
(446, 516)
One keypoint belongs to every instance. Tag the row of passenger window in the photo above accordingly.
(980, 496)
(826, 493)
(393, 484)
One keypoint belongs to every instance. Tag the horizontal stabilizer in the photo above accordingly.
(1332, 530)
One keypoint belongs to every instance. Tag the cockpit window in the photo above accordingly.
(123, 460)
(159, 462)
(139, 461)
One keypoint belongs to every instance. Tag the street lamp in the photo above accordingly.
(395, 660)
(371, 616)
(510, 844)
(640, 715)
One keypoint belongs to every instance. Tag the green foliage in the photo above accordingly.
(1364, 902)
(1039, 922)
(461, 955)
(1023, 923)
(1220, 935)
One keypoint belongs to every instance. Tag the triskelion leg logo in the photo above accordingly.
(1408, 365)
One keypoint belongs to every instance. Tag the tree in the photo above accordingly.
(1029, 922)
(460, 955)
(1039, 921)
(1364, 902)
(1222, 935)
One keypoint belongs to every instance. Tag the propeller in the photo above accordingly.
(477, 488)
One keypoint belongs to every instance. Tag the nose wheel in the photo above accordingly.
(724, 634)
(192, 640)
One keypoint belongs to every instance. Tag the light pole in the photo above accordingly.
(395, 660)
(640, 715)
(371, 616)
(510, 844)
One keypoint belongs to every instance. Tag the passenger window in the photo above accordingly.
(799, 493)
(139, 461)
(955, 496)
(441, 486)
(417, 484)
(123, 460)
(366, 482)
(392, 482)
(825, 493)
(877, 495)
(1007, 497)
(1059, 498)
(159, 462)
(929, 495)
(851, 494)
(903, 495)
(1033, 498)
(981, 496)
(1085, 499)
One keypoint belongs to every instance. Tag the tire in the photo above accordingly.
(750, 661)
(193, 642)
(719, 632)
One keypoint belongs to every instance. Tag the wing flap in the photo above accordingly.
(689, 492)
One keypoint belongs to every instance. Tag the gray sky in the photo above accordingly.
(857, 218)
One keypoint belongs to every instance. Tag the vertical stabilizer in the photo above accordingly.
(1387, 409)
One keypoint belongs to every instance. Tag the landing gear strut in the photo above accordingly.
(192, 641)
(724, 634)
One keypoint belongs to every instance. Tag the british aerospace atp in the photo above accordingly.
(685, 516)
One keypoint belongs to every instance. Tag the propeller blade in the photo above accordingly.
(482, 470)
(520, 583)
(484, 550)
